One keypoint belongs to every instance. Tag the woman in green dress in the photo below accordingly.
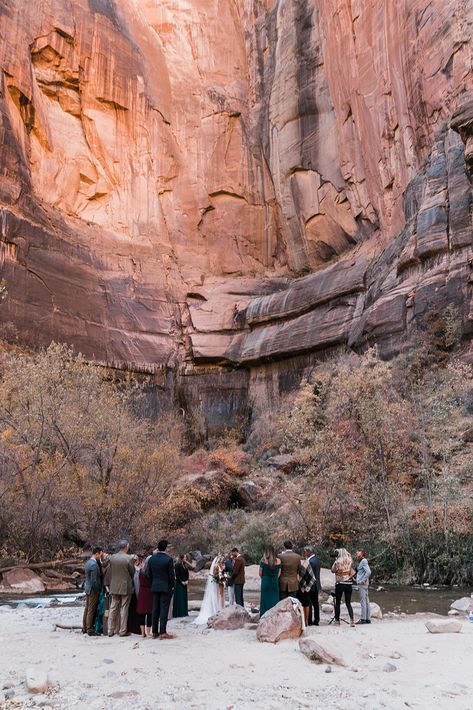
(180, 606)
(269, 571)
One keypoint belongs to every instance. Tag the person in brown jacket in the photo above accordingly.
(238, 576)
(290, 563)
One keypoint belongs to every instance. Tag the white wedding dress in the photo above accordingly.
(211, 603)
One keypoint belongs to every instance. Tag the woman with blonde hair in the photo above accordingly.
(344, 572)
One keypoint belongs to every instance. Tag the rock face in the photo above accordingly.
(283, 621)
(21, 581)
(176, 182)
(232, 617)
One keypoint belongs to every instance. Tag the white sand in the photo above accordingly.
(230, 669)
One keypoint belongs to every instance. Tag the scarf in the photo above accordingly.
(307, 578)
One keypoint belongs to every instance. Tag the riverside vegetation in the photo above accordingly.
(378, 454)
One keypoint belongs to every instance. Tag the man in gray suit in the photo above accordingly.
(122, 570)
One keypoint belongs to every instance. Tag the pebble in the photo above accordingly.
(36, 680)
(389, 668)
(108, 660)
(8, 694)
(328, 669)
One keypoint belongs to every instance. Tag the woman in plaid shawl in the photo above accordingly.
(306, 583)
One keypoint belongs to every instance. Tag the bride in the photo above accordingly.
(212, 601)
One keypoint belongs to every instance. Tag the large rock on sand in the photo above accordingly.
(327, 579)
(437, 626)
(463, 605)
(232, 617)
(376, 611)
(319, 653)
(283, 621)
(21, 580)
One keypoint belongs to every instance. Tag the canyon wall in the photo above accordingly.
(218, 191)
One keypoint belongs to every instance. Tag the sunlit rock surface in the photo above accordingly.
(190, 187)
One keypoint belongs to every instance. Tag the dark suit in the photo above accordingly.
(238, 579)
(160, 570)
(314, 592)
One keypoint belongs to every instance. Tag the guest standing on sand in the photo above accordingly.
(269, 571)
(144, 606)
(344, 572)
(314, 610)
(104, 564)
(160, 570)
(180, 603)
(288, 581)
(307, 582)
(363, 574)
(92, 588)
(238, 576)
(134, 626)
(122, 570)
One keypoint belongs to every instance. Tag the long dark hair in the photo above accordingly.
(270, 556)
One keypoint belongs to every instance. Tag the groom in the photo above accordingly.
(160, 570)
(238, 576)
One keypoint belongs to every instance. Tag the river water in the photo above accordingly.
(407, 600)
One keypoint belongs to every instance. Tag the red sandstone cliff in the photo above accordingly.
(233, 181)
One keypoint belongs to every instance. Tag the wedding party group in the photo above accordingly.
(127, 594)
(289, 574)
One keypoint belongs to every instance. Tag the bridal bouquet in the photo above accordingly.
(218, 575)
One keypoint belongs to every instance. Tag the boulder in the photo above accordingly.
(230, 618)
(438, 626)
(36, 680)
(21, 580)
(283, 621)
(376, 612)
(252, 578)
(199, 561)
(463, 605)
(248, 494)
(319, 653)
(328, 608)
(282, 462)
(467, 436)
(327, 579)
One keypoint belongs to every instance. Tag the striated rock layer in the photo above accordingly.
(217, 191)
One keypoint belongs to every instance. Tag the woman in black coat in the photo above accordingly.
(180, 606)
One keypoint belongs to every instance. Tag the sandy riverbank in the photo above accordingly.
(230, 669)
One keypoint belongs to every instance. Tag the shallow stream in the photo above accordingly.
(407, 600)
